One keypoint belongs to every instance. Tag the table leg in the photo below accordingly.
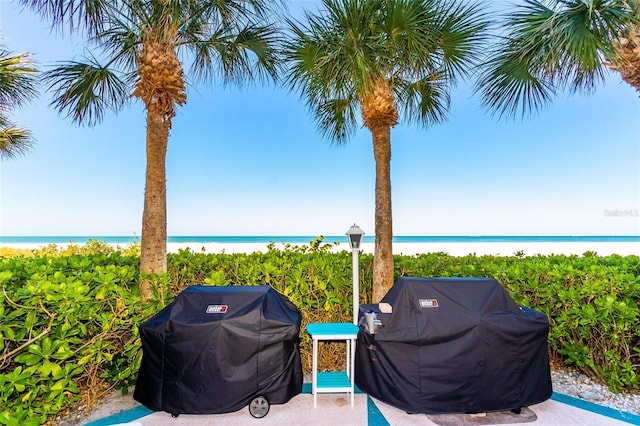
(352, 378)
(314, 373)
(348, 368)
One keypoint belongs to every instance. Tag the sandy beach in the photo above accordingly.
(452, 248)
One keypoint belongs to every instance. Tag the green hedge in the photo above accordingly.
(68, 320)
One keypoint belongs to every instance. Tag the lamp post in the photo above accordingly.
(355, 237)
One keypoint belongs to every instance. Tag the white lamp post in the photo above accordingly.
(355, 237)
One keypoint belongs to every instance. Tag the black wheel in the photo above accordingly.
(517, 410)
(174, 415)
(259, 407)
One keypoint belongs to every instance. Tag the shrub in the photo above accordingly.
(69, 318)
(68, 328)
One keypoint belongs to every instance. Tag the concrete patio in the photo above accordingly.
(334, 410)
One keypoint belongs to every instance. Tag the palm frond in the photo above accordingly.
(463, 38)
(508, 85)
(550, 46)
(14, 140)
(84, 90)
(589, 30)
(410, 28)
(312, 63)
(120, 40)
(238, 11)
(247, 55)
(336, 118)
(72, 14)
(426, 101)
(18, 79)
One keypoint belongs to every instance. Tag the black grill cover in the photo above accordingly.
(454, 346)
(213, 349)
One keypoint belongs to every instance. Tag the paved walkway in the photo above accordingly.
(335, 410)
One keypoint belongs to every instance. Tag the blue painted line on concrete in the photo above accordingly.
(123, 417)
(374, 415)
(595, 408)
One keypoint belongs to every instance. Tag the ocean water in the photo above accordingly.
(301, 239)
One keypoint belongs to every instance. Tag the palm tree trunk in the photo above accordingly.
(153, 250)
(628, 62)
(383, 253)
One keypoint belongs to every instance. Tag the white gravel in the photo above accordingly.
(579, 385)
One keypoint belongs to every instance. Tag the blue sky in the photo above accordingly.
(251, 162)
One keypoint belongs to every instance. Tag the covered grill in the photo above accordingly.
(216, 349)
(453, 345)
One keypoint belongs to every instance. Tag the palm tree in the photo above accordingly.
(389, 60)
(140, 42)
(18, 78)
(560, 44)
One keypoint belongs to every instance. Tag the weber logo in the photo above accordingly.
(217, 309)
(428, 303)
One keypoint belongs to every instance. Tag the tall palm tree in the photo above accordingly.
(140, 42)
(551, 45)
(387, 60)
(18, 82)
